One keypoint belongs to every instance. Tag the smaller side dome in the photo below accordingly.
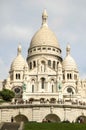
(19, 62)
(69, 63)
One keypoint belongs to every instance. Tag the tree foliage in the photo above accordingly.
(7, 94)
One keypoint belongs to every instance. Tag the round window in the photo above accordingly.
(69, 90)
(17, 90)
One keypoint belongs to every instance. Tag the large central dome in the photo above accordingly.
(44, 36)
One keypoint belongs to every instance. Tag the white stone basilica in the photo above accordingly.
(45, 77)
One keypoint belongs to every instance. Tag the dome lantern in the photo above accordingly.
(44, 18)
(19, 50)
(68, 49)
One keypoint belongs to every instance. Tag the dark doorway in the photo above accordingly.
(52, 118)
(20, 118)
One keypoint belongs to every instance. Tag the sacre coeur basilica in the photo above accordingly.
(47, 87)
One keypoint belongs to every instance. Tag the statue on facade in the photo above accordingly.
(24, 87)
(59, 85)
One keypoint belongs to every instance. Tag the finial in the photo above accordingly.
(44, 18)
(19, 49)
(68, 49)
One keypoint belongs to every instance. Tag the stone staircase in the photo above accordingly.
(10, 126)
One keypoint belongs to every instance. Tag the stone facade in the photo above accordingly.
(45, 77)
(39, 112)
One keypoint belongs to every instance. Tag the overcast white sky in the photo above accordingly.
(20, 19)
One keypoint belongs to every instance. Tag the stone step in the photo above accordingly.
(10, 126)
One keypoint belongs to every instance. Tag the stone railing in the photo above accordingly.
(50, 101)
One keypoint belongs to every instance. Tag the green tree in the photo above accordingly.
(7, 94)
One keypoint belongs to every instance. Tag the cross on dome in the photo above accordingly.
(19, 49)
(44, 18)
(68, 49)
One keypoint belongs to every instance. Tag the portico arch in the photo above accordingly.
(81, 119)
(20, 118)
(51, 118)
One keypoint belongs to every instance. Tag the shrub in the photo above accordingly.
(7, 94)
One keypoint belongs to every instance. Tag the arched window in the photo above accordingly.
(69, 76)
(34, 63)
(42, 82)
(32, 88)
(52, 88)
(49, 62)
(53, 64)
(43, 66)
(52, 85)
(17, 76)
(63, 76)
(30, 65)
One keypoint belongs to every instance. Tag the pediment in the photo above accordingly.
(42, 69)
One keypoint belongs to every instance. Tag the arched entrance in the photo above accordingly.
(20, 118)
(81, 119)
(51, 118)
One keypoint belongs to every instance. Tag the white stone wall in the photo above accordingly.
(39, 112)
